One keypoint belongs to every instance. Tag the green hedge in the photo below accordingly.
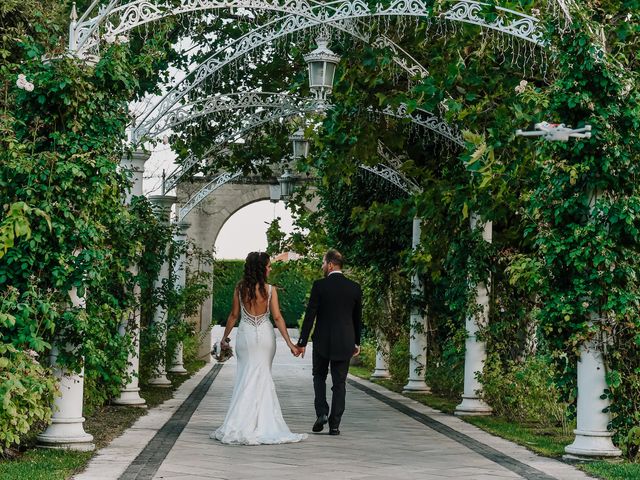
(292, 279)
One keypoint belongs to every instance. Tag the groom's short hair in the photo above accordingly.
(335, 257)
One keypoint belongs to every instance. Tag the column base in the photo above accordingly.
(178, 369)
(591, 445)
(472, 406)
(67, 434)
(131, 398)
(380, 374)
(418, 386)
(160, 381)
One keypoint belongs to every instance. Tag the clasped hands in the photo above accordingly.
(297, 350)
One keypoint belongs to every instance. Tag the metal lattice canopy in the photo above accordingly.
(113, 21)
(259, 36)
(270, 107)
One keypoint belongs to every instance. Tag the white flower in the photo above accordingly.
(165, 140)
(23, 83)
(110, 39)
(535, 12)
(522, 86)
(122, 39)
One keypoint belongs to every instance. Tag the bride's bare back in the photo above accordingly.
(259, 305)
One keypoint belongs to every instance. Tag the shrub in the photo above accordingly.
(524, 392)
(26, 390)
(445, 373)
(399, 360)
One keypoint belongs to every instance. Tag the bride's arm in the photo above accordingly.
(279, 320)
(233, 316)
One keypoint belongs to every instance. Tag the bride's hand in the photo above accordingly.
(294, 350)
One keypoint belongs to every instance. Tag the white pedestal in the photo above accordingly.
(177, 365)
(592, 440)
(382, 360)
(67, 427)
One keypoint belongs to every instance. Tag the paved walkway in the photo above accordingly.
(384, 436)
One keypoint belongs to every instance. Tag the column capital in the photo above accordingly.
(163, 204)
(134, 161)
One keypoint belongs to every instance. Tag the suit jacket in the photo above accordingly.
(336, 306)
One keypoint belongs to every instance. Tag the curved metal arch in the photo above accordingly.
(265, 100)
(273, 110)
(229, 102)
(260, 36)
(119, 20)
(390, 170)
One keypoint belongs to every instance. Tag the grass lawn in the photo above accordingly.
(549, 442)
(105, 424)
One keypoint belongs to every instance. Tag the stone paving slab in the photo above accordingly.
(378, 440)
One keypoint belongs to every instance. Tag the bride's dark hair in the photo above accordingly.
(255, 273)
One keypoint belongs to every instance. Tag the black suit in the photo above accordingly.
(335, 305)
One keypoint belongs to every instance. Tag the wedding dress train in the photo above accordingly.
(254, 416)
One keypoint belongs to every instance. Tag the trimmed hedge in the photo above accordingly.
(290, 277)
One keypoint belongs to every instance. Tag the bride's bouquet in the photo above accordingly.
(222, 351)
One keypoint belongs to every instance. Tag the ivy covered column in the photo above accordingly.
(593, 438)
(475, 349)
(180, 276)
(162, 204)
(67, 424)
(418, 332)
(129, 394)
(382, 358)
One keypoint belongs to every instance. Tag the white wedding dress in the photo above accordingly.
(254, 416)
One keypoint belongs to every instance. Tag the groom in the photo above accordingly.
(335, 305)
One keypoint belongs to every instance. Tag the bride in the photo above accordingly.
(254, 416)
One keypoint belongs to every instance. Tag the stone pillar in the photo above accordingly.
(418, 333)
(180, 275)
(67, 426)
(475, 349)
(129, 394)
(382, 358)
(163, 204)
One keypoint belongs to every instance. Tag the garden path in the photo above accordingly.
(384, 436)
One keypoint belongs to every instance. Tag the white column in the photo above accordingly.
(204, 317)
(593, 439)
(180, 275)
(130, 392)
(418, 332)
(67, 425)
(475, 349)
(163, 205)
(382, 358)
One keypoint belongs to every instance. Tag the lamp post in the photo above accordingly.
(322, 68)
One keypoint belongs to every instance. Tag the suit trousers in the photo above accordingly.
(339, 370)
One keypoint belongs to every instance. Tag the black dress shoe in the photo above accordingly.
(334, 431)
(319, 425)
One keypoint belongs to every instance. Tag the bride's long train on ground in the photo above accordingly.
(254, 416)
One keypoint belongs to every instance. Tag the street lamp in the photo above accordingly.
(322, 67)
(300, 144)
